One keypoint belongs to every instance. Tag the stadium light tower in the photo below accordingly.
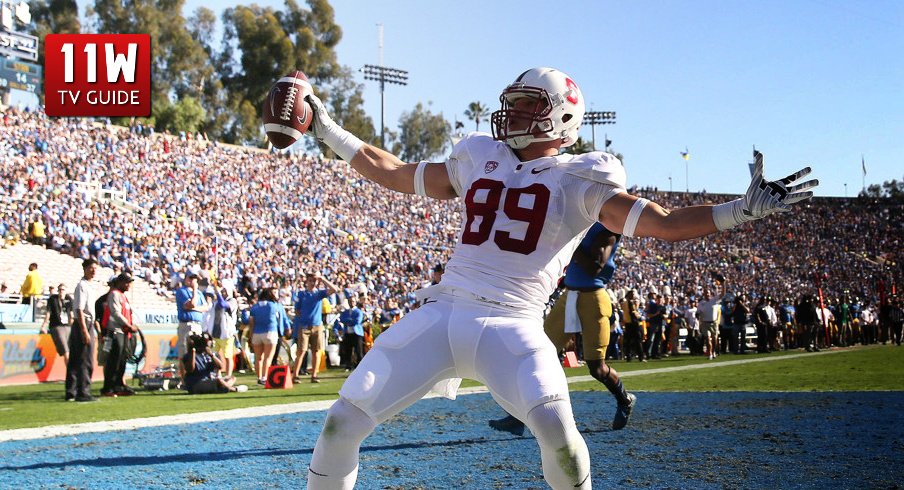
(384, 75)
(595, 118)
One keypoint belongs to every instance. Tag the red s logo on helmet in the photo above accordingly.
(572, 94)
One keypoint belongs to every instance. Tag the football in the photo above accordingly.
(286, 115)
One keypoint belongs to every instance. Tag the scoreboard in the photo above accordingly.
(20, 75)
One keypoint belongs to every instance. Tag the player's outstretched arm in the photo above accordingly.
(633, 216)
(376, 164)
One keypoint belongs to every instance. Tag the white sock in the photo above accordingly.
(334, 465)
(566, 460)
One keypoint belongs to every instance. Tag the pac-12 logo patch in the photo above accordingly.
(490, 166)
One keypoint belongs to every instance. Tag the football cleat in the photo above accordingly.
(508, 424)
(623, 413)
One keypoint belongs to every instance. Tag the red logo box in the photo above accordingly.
(97, 74)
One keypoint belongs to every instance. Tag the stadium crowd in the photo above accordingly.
(257, 219)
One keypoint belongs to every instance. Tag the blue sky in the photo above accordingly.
(809, 82)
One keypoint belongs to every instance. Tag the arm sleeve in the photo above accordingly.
(459, 164)
(595, 196)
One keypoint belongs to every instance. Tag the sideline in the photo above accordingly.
(240, 413)
(640, 372)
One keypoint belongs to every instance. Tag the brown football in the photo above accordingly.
(286, 115)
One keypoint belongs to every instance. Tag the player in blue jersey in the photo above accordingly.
(587, 308)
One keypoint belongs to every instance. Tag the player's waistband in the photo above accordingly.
(588, 289)
(437, 290)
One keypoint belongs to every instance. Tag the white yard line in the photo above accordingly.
(712, 364)
(240, 413)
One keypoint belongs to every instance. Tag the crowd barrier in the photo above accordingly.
(16, 313)
(32, 358)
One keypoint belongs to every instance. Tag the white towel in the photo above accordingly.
(447, 388)
(572, 321)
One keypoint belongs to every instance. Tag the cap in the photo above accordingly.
(191, 275)
(123, 277)
(439, 268)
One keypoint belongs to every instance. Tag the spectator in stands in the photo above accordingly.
(5, 296)
(37, 231)
(267, 322)
(190, 305)
(32, 286)
(83, 338)
(314, 217)
(59, 311)
(437, 273)
(309, 321)
(119, 328)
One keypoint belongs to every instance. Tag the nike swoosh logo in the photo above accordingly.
(304, 117)
(536, 171)
(429, 301)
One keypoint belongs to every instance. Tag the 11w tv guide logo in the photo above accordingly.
(97, 74)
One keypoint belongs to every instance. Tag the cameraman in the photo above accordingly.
(118, 329)
(202, 369)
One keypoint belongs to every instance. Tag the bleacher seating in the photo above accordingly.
(56, 268)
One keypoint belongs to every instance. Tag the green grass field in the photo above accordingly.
(874, 368)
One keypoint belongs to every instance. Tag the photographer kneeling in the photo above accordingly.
(202, 369)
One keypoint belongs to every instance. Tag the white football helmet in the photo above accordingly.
(558, 112)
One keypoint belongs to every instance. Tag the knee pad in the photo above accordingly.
(566, 461)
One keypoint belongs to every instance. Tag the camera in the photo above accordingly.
(199, 342)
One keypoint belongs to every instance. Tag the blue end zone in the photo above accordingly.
(674, 440)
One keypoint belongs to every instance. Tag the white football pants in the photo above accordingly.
(446, 338)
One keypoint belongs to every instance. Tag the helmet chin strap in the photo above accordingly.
(522, 141)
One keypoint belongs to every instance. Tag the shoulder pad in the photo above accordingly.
(599, 167)
(471, 141)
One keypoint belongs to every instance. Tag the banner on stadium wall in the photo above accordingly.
(27, 359)
(13, 313)
(157, 317)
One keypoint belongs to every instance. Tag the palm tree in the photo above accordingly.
(580, 146)
(477, 112)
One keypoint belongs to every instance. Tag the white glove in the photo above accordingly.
(763, 198)
(345, 144)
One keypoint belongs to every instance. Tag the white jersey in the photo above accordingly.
(521, 221)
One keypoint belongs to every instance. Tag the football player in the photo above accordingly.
(586, 307)
(524, 209)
